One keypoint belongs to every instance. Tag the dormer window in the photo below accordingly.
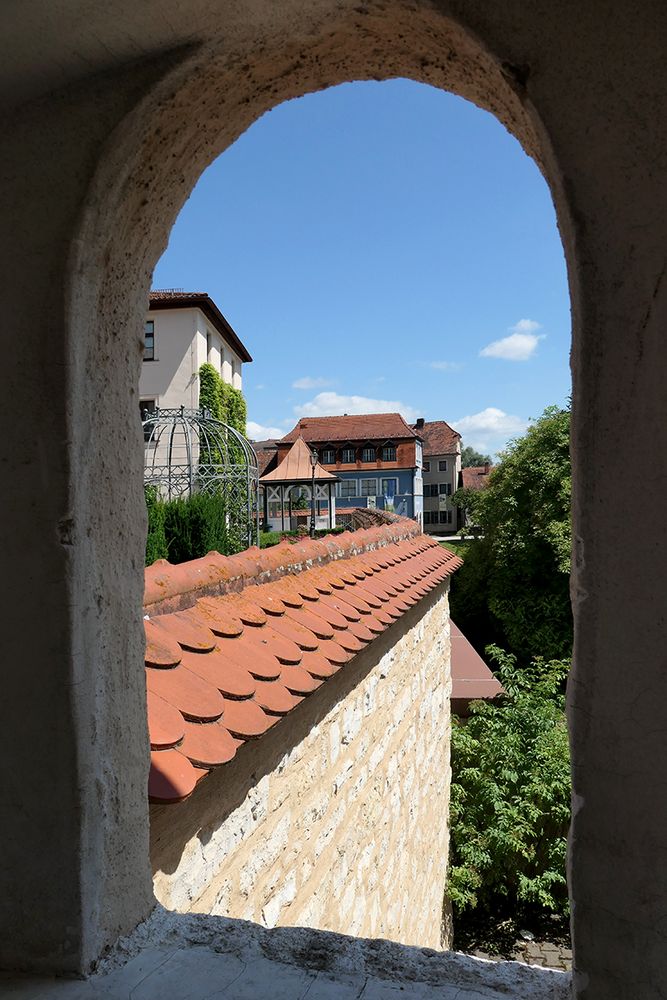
(368, 454)
(388, 452)
(328, 456)
(349, 455)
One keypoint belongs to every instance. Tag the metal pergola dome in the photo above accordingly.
(190, 451)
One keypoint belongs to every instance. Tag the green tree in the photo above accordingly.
(520, 567)
(471, 457)
(510, 795)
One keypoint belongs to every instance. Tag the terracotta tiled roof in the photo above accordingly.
(296, 467)
(235, 643)
(354, 427)
(439, 438)
(267, 454)
(471, 678)
(167, 299)
(476, 477)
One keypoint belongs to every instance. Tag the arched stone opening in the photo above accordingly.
(122, 148)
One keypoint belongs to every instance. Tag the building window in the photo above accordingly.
(149, 340)
(146, 407)
(368, 487)
(442, 465)
(430, 489)
(368, 455)
(389, 487)
(389, 453)
(348, 456)
(445, 489)
(427, 466)
(347, 488)
(428, 515)
(445, 516)
(328, 456)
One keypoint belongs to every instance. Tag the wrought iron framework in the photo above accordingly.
(189, 451)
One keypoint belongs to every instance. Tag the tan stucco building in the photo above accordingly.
(183, 330)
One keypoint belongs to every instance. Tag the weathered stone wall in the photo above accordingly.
(337, 818)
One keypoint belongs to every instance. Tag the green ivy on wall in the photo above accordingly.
(224, 401)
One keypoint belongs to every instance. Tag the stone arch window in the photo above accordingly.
(127, 151)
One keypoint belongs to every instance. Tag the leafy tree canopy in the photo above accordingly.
(471, 457)
(510, 797)
(514, 585)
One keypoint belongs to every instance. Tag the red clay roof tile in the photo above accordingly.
(208, 745)
(171, 777)
(194, 697)
(254, 634)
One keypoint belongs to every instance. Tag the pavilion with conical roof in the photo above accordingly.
(299, 468)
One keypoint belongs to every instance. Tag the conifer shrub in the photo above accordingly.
(156, 540)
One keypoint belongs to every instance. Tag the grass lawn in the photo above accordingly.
(458, 548)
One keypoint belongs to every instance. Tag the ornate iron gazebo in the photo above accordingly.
(189, 451)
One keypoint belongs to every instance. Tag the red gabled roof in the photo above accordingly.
(439, 438)
(166, 299)
(476, 477)
(352, 427)
(235, 643)
(296, 467)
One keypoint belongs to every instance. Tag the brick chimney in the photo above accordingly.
(419, 426)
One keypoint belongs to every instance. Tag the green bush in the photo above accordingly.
(156, 540)
(510, 796)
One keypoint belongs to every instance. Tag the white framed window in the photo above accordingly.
(328, 456)
(349, 456)
(347, 488)
(389, 487)
(368, 454)
(445, 489)
(368, 487)
(427, 465)
(389, 453)
(149, 340)
(442, 465)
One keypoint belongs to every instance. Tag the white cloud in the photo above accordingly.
(445, 366)
(519, 346)
(490, 429)
(258, 432)
(311, 383)
(332, 404)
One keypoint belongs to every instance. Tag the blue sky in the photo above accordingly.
(383, 246)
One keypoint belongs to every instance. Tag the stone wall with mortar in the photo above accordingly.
(338, 817)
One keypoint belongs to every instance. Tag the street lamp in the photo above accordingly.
(313, 464)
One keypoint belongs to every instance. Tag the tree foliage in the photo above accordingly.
(510, 796)
(470, 457)
(514, 585)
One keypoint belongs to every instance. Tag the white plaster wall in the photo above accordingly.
(346, 828)
(171, 379)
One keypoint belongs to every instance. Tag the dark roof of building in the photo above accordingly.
(267, 454)
(352, 427)
(471, 678)
(476, 477)
(234, 643)
(166, 299)
(439, 438)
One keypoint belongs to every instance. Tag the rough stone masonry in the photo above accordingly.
(338, 817)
